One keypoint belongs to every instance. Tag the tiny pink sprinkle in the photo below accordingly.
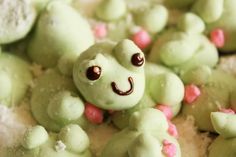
(100, 30)
(192, 92)
(218, 37)
(229, 111)
(169, 149)
(172, 130)
(166, 110)
(142, 39)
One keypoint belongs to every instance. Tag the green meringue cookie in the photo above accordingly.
(186, 49)
(42, 144)
(56, 35)
(110, 10)
(215, 95)
(219, 14)
(15, 78)
(152, 19)
(225, 143)
(224, 124)
(144, 136)
(162, 87)
(106, 76)
(17, 19)
(55, 102)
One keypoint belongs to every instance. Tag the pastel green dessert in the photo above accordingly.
(219, 14)
(144, 136)
(217, 92)
(15, 78)
(162, 87)
(153, 19)
(56, 36)
(184, 48)
(111, 76)
(224, 144)
(17, 19)
(71, 141)
(55, 102)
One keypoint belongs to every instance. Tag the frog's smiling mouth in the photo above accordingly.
(123, 93)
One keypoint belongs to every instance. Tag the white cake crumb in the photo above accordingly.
(192, 142)
(60, 146)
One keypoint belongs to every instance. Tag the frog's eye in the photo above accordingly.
(137, 59)
(93, 73)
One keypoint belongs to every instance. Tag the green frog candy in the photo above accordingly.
(225, 143)
(71, 141)
(15, 78)
(55, 101)
(58, 39)
(146, 135)
(216, 92)
(185, 48)
(112, 77)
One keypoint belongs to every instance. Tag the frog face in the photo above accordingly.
(111, 76)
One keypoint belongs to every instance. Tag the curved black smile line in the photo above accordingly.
(123, 93)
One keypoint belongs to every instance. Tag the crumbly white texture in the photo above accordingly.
(16, 18)
(192, 142)
(13, 123)
(99, 136)
(228, 64)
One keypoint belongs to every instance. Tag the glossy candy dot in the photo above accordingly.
(93, 114)
(142, 39)
(166, 110)
(172, 130)
(218, 37)
(93, 73)
(137, 60)
(228, 111)
(192, 92)
(100, 30)
(169, 149)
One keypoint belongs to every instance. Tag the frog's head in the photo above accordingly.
(111, 76)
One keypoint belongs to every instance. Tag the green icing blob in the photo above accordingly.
(17, 19)
(219, 14)
(52, 145)
(215, 94)
(144, 136)
(55, 101)
(186, 49)
(110, 10)
(224, 124)
(162, 87)
(115, 65)
(153, 19)
(15, 78)
(59, 34)
(225, 144)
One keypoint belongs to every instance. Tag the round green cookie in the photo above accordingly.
(57, 35)
(55, 102)
(15, 78)
(16, 19)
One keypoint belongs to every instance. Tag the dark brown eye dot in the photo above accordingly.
(93, 72)
(137, 59)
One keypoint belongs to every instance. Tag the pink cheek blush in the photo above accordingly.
(142, 39)
(192, 92)
(166, 110)
(169, 149)
(100, 31)
(172, 130)
(217, 37)
(93, 114)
